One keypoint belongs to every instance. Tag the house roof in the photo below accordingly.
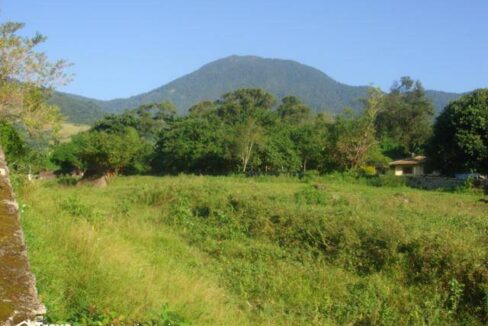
(409, 161)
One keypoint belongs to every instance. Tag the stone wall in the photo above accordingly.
(433, 182)
(18, 294)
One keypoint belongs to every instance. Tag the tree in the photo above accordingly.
(116, 123)
(26, 79)
(240, 105)
(310, 141)
(194, 144)
(67, 157)
(247, 135)
(104, 153)
(152, 118)
(202, 109)
(247, 111)
(147, 119)
(353, 135)
(460, 139)
(12, 143)
(292, 110)
(406, 118)
(277, 152)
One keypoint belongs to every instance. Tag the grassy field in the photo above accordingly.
(257, 251)
(70, 129)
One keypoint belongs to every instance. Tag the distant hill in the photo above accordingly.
(441, 99)
(279, 77)
(78, 109)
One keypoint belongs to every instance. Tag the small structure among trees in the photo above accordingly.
(409, 166)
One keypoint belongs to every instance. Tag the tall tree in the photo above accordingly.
(154, 117)
(247, 111)
(202, 109)
(277, 153)
(292, 110)
(247, 135)
(26, 79)
(102, 152)
(353, 135)
(310, 141)
(460, 140)
(407, 116)
(194, 144)
(240, 105)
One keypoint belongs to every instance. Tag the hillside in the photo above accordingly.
(77, 109)
(441, 99)
(279, 77)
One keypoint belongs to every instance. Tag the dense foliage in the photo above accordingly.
(460, 141)
(77, 109)
(26, 78)
(406, 119)
(12, 142)
(246, 131)
(241, 132)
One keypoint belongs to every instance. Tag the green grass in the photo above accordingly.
(71, 129)
(247, 251)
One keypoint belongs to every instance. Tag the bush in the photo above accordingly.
(367, 170)
(311, 196)
(387, 180)
(310, 175)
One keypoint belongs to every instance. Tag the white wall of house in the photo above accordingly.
(404, 170)
(398, 170)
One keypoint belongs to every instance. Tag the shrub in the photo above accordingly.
(387, 180)
(311, 196)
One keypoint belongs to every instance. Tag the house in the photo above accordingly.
(409, 166)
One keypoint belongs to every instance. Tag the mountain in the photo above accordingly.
(441, 99)
(78, 109)
(279, 77)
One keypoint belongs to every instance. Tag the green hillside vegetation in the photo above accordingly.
(257, 251)
(242, 133)
(70, 129)
(276, 76)
(77, 109)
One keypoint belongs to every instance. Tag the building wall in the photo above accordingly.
(398, 170)
(416, 170)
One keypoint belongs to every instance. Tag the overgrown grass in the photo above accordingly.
(70, 129)
(272, 251)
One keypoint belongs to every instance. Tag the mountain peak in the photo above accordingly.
(278, 76)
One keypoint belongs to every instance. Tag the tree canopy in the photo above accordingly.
(460, 140)
(26, 78)
(406, 117)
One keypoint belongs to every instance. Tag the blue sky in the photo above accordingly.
(124, 47)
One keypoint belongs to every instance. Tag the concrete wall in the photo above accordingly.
(433, 182)
(18, 294)
(416, 170)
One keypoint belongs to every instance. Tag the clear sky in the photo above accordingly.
(124, 47)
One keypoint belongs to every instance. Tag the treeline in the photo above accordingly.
(246, 131)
